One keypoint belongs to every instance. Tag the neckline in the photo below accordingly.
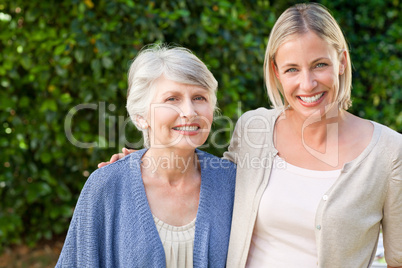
(304, 171)
(373, 141)
(174, 228)
(145, 209)
(200, 157)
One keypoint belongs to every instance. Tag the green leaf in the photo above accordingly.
(66, 98)
(79, 55)
(107, 62)
(36, 190)
(26, 62)
(59, 49)
(48, 105)
(24, 102)
(65, 61)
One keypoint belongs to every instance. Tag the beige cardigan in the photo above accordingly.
(367, 194)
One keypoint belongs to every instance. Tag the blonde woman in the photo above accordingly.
(333, 179)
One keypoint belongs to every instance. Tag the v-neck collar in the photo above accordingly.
(201, 223)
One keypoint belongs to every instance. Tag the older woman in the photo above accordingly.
(167, 205)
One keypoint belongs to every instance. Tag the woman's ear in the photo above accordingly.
(276, 72)
(141, 122)
(343, 62)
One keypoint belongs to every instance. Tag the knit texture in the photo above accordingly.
(112, 225)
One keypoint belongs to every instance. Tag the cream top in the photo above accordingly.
(284, 230)
(367, 194)
(178, 243)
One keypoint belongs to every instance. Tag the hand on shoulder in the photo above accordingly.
(116, 157)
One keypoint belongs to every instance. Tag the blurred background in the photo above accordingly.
(63, 83)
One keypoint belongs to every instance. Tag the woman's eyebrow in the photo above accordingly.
(319, 59)
(172, 92)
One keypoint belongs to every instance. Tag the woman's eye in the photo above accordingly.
(320, 65)
(291, 70)
(171, 99)
(200, 98)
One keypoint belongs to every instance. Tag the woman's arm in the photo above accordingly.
(392, 219)
(80, 247)
(234, 148)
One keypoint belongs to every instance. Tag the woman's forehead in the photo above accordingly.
(165, 86)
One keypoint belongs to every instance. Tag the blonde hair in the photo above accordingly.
(299, 19)
(175, 63)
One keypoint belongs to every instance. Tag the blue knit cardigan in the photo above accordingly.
(112, 225)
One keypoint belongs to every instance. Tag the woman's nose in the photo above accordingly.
(187, 110)
(308, 81)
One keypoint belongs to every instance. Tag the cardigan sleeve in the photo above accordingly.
(234, 147)
(80, 247)
(253, 132)
(68, 256)
(392, 219)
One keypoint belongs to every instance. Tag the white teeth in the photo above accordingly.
(186, 128)
(312, 99)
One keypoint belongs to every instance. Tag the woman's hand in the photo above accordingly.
(116, 157)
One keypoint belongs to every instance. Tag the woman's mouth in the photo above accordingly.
(187, 128)
(312, 100)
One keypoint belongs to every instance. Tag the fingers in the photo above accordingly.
(103, 164)
(116, 157)
(113, 159)
(128, 151)
(125, 151)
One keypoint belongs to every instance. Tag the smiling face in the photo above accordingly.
(308, 69)
(180, 115)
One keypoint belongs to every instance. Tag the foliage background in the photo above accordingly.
(59, 54)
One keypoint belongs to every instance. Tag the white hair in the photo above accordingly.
(175, 63)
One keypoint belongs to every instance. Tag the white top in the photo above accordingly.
(178, 243)
(284, 230)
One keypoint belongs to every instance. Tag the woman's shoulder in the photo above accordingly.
(114, 176)
(269, 114)
(261, 118)
(389, 139)
(131, 161)
(121, 166)
(254, 130)
(218, 173)
(388, 132)
(219, 169)
(211, 162)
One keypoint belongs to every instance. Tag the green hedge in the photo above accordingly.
(56, 55)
